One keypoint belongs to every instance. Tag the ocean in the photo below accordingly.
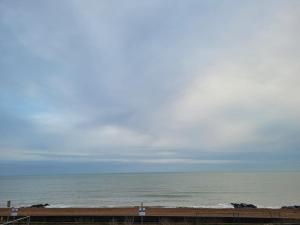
(196, 189)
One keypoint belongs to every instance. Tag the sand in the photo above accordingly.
(158, 211)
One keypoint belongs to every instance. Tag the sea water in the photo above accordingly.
(203, 189)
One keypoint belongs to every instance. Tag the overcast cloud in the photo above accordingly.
(184, 84)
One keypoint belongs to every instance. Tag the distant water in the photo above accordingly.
(154, 189)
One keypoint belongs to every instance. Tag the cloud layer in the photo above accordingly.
(150, 82)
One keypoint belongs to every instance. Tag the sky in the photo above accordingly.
(140, 86)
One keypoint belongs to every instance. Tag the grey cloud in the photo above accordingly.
(140, 78)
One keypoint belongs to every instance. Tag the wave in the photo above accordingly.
(216, 206)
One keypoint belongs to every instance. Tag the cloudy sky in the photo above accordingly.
(117, 86)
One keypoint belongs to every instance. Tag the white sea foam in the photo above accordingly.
(218, 206)
(60, 206)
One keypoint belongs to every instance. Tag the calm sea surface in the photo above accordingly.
(154, 189)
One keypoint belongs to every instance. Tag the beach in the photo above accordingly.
(158, 211)
(180, 198)
(154, 215)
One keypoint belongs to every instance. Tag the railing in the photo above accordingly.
(17, 220)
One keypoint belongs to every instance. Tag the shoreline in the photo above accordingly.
(159, 211)
(152, 216)
(216, 206)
